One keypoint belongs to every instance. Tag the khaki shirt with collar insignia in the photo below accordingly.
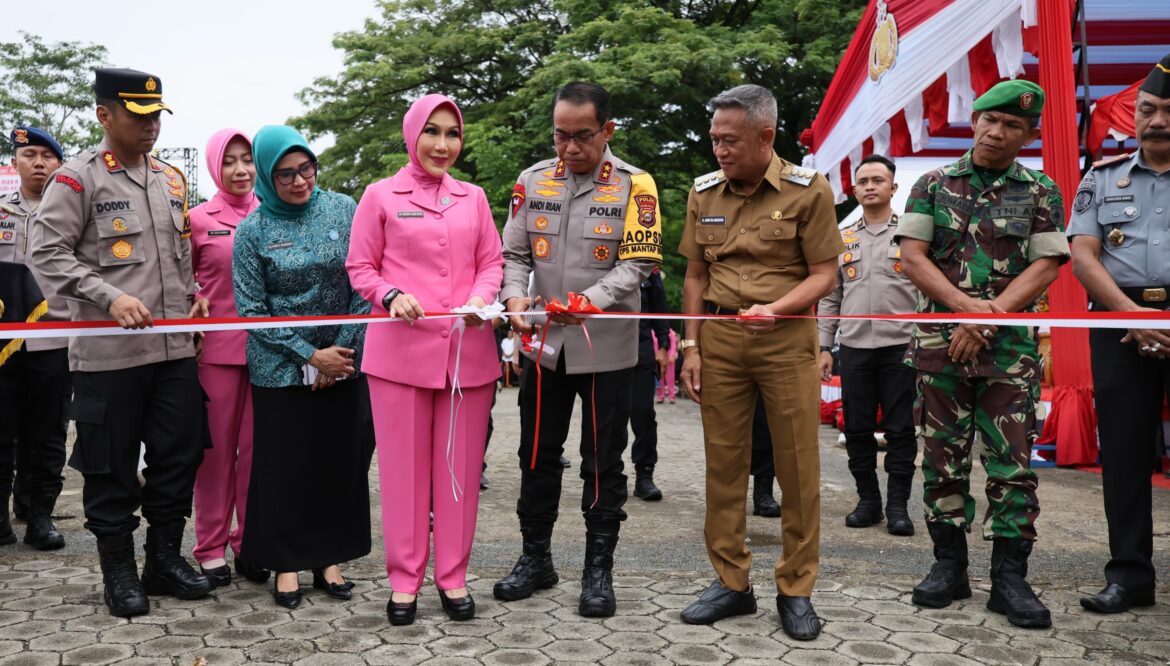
(17, 216)
(870, 280)
(100, 233)
(759, 246)
(598, 236)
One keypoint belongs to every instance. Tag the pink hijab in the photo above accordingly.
(216, 146)
(412, 126)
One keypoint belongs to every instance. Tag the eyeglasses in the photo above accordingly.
(287, 176)
(584, 136)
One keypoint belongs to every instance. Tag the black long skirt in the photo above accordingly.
(309, 498)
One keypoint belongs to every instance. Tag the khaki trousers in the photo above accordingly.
(781, 365)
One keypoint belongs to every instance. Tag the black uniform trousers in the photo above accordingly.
(872, 377)
(642, 418)
(540, 488)
(34, 394)
(158, 404)
(762, 460)
(1128, 390)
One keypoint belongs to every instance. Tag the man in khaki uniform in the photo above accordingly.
(112, 238)
(761, 239)
(587, 223)
(872, 280)
(34, 380)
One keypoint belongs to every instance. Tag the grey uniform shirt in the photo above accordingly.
(17, 216)
(870, 280)
(101, 233)
(1127, 205)
(598, 235)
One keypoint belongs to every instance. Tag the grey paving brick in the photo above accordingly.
(97, 654)
(396, 655)
(696, 655)
(132, 633)
(634, 641)
(758, 647)
(576, 650)
(520, 637)
(516, 657)
(855, 631)
(235, 637)
(347, 641)
(918, 642)
(635, 659)
(871, 652)
(998, 655)
(166, 646)
(280, 650)
(459, 646)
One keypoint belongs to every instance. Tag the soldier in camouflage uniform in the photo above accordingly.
(985, 235)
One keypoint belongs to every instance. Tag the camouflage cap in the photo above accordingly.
(1017, 97)
(1157, 83)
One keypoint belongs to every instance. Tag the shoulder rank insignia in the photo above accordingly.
(798, 175)
(707, 181)
(606, 172)
(1111, 160)
(112, 164)
(559, 172)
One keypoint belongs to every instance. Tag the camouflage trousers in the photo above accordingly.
(948, 410)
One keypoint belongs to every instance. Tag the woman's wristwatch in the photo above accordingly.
(389, 298)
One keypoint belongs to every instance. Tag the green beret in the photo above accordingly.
(1158, 81)
(1017, 97)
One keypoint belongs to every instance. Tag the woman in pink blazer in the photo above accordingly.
(221, 485)
(423, 241)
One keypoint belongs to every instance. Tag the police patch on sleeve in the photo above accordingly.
(1085, 193)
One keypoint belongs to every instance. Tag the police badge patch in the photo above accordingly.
(1084, 197)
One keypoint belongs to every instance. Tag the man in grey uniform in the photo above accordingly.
(113, 239)
(1121, 253)
(871, 280)
(584, 223)
(34, 380)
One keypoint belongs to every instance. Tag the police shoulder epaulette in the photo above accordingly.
(798, 175)
(1111, 160)
(10, 209)
(709, 180)
(543, 164)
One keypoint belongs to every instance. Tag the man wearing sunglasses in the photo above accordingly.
(585, 223)
(112, 238)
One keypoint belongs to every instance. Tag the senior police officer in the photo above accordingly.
(112, 238)
(982, 235)
(586, 223)
(1119, 233)
(34, 382)
(872, 280)
(761, 238)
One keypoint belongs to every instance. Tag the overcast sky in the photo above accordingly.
(223, 63)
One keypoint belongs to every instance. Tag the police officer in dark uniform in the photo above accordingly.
(34, 381)
(1121, 253)
(112, 237)
(642, 418)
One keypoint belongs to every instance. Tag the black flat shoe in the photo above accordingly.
(288, 600)
(718, 602)
(1116, 599)
(219, 576)
(341, 591)
(798, 618)
(254, 574)
(401, 614)
(459, 609)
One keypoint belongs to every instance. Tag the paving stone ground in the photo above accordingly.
(51, 610)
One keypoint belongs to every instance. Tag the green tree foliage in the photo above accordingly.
(502, 60)
(49, 85)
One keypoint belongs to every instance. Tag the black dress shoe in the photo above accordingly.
(459, 609)
(343, 591)
(798, 618)
(718, 602)
(288, 600)
(401, 613)
(1116, 599)
(219, 576)
(565, 462)
(645, 488)
(252, 573)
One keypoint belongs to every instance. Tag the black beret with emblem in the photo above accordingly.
(138, 91)
(23, 135)
(1157, 83)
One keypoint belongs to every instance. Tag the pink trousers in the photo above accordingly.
(221, 485)
(411, 425)
(668, 384)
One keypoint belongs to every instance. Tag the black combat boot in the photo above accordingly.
(644, 487)
(6, 535)
(869, 504)
(123, 591)
(597, 599)
(898, 520)
(41, 533)
(1010, 593)
(763, 503)
(947, 579)
(533, 571)
(168, 572)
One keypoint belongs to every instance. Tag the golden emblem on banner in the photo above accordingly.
(883, 48)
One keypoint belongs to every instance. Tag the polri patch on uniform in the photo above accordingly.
(1118, 198)
(1084, 199)
(220, 232)
(541, 248)
(541, 223)
(410, 213)
(647, 204)
(601, 253)
(119, 224)
(712, 219)
(280, 246)
(517, 198)
(121, 249)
